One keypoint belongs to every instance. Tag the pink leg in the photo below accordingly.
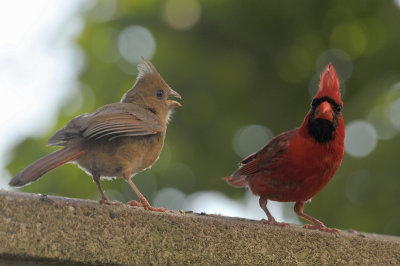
(143, 201)
(104, 199)
(318, 225)
(271, 220)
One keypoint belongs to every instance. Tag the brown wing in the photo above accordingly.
(117, 125)
(111, 121)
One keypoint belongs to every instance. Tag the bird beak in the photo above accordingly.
(324, 111)
(173, 104)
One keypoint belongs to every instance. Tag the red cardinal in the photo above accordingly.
(297, 164)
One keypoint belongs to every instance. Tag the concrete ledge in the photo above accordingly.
(43, 230)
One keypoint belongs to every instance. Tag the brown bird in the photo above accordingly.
(117, 140)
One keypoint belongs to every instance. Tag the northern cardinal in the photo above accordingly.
(297, 164)
(116, 140)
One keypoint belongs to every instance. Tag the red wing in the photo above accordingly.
(115, 125)
(263, 159)
(248, 158)
(249, 168)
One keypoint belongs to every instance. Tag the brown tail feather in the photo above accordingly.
(46, 164)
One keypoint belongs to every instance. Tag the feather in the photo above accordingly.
(145, 68)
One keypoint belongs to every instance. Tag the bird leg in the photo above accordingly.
(318, 225)
(143, 201)
(104, 199)
(271, 220)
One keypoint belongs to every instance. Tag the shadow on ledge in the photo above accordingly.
(47, 230)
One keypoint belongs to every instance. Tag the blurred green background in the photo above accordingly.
(246, 70)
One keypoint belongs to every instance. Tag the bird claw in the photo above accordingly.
(144, 205)
(107, 202)
(321, 227)
(273, 222)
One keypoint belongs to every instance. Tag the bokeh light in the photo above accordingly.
(105, 45)
(342, 63)
(384, 115)
(249, 139)
(350, 38)
(170, 198)
(182, 14)
(376, 34)
(102, 10)
(357, 190)
(215, 202)
(397, 2)
(393, 101)
(378, 116)
(339, 59)
(135, 42)
(146, 181)
(178, 175)
(294, 64)
(38, 65)
(394, 113)
(74, 100)
(361, 138)
(89, 98)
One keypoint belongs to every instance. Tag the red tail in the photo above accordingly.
(46, 164)
(236, 181)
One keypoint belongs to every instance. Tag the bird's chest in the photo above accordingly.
(120, 156)
(140, 154)
(312, 171)
(315, 164)
(300, 174)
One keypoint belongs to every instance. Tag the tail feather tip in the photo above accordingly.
(239, 181)
(16, 182)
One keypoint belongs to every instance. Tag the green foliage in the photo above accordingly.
(246, 62)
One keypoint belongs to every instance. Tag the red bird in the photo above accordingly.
(297, 164)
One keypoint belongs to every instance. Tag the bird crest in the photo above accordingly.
(329, 84)
(146, 71)
(145, 67)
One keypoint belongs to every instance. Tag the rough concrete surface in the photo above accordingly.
(46, 230)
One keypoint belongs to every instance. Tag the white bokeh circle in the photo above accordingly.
(135, 42)
(361, 138)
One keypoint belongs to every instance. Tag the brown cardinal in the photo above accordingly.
(297, 164)
(117, 140)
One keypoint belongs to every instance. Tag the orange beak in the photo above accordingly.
(324, 111)
(173, 104)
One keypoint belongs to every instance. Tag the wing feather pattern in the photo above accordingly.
(111, 122)
(117, 125)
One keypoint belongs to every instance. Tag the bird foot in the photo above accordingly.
(321, 227)
(144, 205)
(107, 202)
(273, 222)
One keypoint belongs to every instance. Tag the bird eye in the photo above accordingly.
(339, 108)
(314, 103)
(160, 94)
